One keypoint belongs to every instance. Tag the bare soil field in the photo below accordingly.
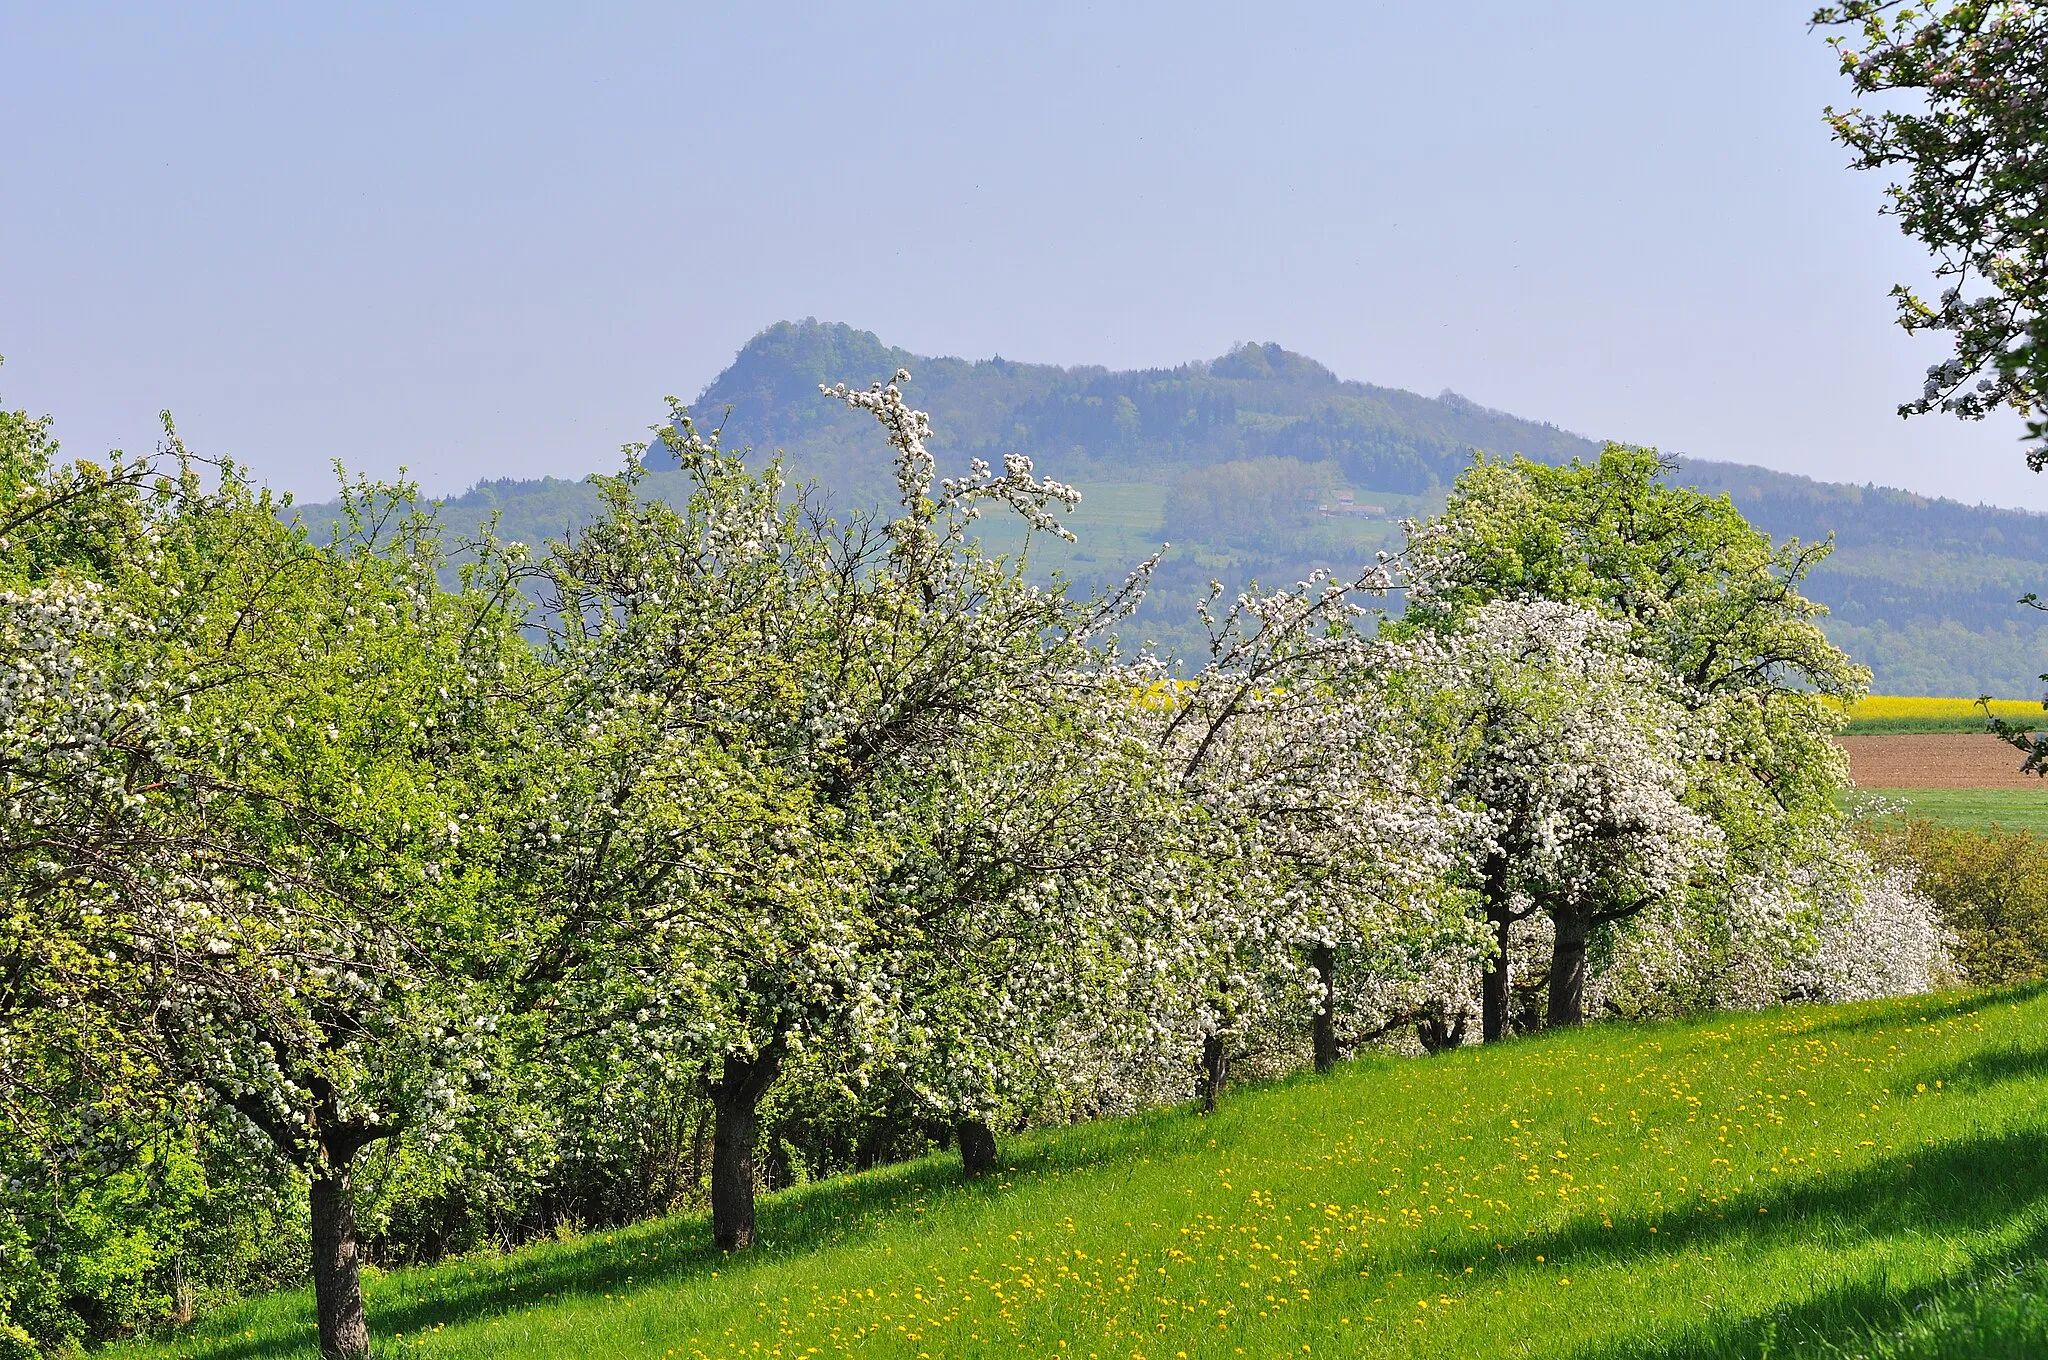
(1936, 760)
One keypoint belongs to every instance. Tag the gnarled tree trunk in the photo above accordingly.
(977, 1146)
(1215, 1071)
(337, 1268)
(1493, 985)
(1323, 1029)
(736, 1126)
(1438, 1033)
(1568, 969)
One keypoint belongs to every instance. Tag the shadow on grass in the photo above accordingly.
(1991, 1067)
(1848, 1319)
(673, 1251)
(1961, 1191)
(1955, 1005)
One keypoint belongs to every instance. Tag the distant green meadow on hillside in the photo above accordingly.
(1820, 1181)
(1240, 461)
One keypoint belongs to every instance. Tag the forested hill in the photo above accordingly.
(1233, 460)
(1922, 590)
(1258, 401)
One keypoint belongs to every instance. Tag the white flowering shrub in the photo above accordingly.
(1832, 925)
(1876, 935)
(1321, 845)
(1575, 758)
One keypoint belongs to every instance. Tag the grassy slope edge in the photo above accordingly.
(1850, 1181)
(1973, 809)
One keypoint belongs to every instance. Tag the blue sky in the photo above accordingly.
(485, 241)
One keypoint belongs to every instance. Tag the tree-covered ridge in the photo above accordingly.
(1258, 401)
(1234, 459)
(1921, 589)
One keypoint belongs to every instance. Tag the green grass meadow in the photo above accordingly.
(1115, 520)
(1973, 809)
(1853, 1181)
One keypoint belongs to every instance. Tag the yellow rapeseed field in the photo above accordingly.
(1925, 713)
(1882, 707)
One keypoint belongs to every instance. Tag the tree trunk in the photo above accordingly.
(736, 1126)
(182, 1303)
(337, 1277)
(1323, 1031)
(698, 1147)
(977, 1146)
(1215, 1071)
(1568, 970)
(1493, 987)
(1437, 1033)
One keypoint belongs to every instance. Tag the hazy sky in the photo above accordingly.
(487, 241)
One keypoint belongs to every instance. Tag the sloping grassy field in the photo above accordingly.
(1975, 809)
(1857, 1181)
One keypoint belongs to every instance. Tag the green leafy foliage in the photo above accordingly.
(1969, 137)
(1992, 888)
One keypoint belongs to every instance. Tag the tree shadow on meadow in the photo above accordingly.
(1963, 1191)
(1834, 1321)
(1956, 1005)
(672, 1251)
(1990, 1067)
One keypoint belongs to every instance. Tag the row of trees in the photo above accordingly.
(337, 862)
(1248, 499)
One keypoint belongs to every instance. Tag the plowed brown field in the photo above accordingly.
(1936, 760)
